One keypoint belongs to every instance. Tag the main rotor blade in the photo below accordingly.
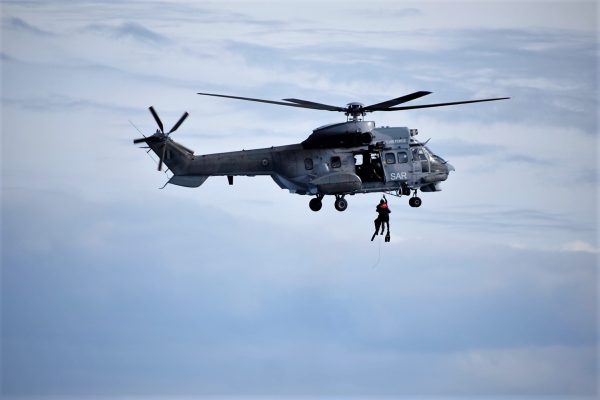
(162, 156)
(158, 121)
(316, 106)
(441, 104)
(183, 117)
(281, 103)
(398, 100)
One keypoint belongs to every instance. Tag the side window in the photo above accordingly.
(336, 162)
(390, 158)
(358, 159)
(308, 163)
(402, 157)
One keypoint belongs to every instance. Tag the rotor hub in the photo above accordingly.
(355, 111)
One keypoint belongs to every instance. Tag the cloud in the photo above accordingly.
(383, 10)
(564, 97)
(5, 57)
(499, 153)
(517, 371)
(63, 103)
(536, 83)
(501, 219)
(129, 30)
(143, 284)
(580, 246)
(526, 159)
(407, 12)
(20, 25)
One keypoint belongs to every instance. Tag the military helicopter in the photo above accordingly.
(338, 159)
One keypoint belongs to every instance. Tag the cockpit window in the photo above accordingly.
(390, 158)
(433, 157)
(419, 154)
(439, 159)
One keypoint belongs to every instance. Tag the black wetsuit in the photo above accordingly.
(383, 219)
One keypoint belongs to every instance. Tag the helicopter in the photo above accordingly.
(338, 159)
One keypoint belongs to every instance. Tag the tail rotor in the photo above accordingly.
(160, 135)
(178, 123)
(157, 119)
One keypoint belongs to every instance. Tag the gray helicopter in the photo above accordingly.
(337, 159)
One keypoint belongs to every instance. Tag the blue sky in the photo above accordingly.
(111, 287)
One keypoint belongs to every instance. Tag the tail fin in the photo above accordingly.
(163, 145)
(175, 155)
(169, 152)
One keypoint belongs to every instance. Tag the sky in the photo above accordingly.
(113, 288)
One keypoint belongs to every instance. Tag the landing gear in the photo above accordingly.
(340, 203)
(316, 203)
(404, 189)
(415, 201)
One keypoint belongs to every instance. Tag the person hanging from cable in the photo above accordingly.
(383, 219)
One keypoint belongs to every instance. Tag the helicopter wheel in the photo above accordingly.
(415, 202)
(315, 204)
(341, 204)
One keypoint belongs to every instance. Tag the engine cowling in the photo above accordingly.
(345, 135)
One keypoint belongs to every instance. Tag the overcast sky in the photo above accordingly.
(113, 287)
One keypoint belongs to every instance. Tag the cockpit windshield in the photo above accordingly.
(433, 156)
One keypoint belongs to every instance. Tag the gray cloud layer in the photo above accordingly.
(119, 295)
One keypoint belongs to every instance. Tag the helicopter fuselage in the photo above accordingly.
(338, 159)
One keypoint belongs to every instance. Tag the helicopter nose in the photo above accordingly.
(450, 167)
